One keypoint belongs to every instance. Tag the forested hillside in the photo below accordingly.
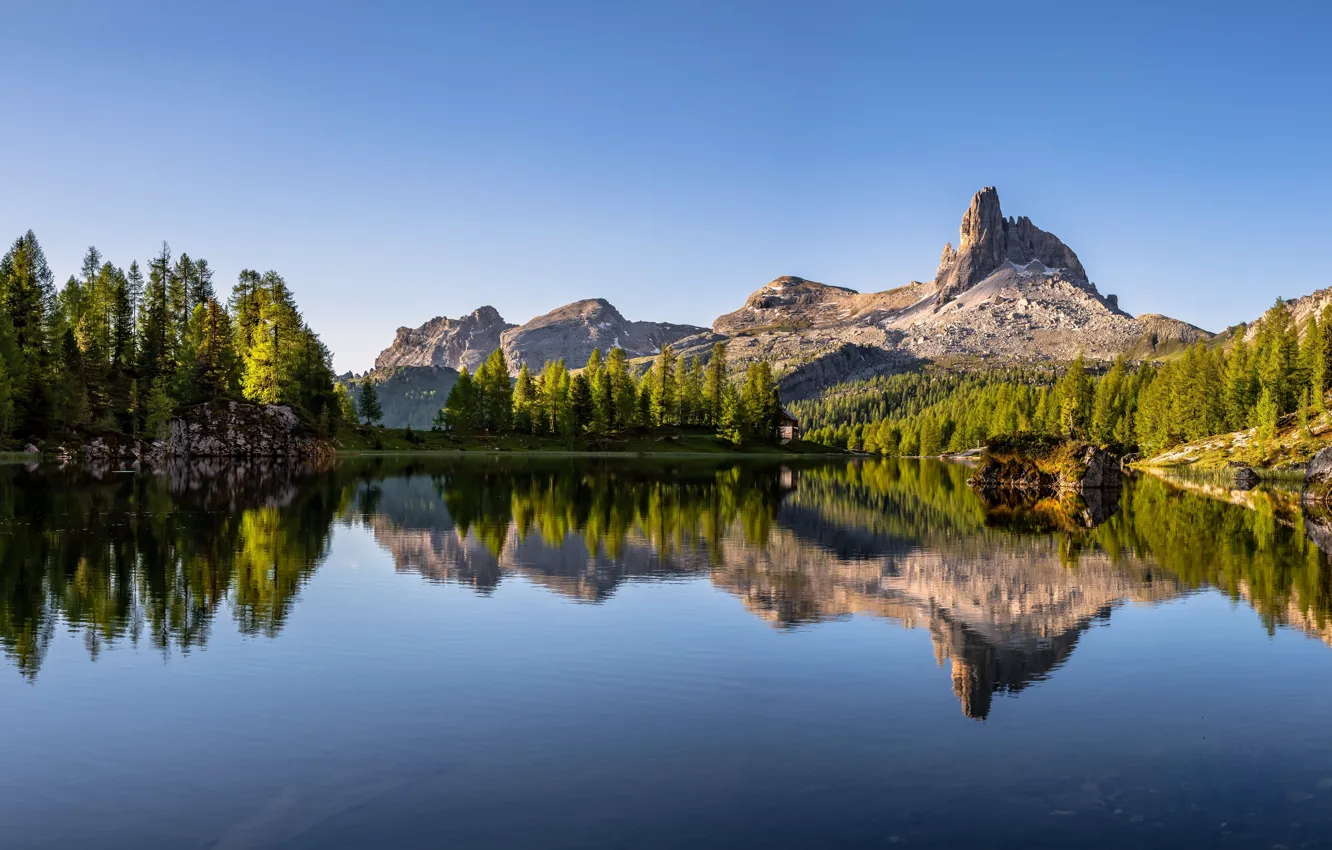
(1207, 389)
(117, 350)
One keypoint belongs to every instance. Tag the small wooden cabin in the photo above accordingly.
(788, 427)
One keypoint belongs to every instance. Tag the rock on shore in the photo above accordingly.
(221, 429)
(1046, 465)
(1318, 479)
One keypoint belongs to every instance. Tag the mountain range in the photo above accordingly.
(1008, 291)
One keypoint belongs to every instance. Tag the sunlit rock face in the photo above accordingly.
(453, 343)
(570, 333)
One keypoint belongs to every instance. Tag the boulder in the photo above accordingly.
(237, 430)
(1318, 479)
(1128, 460)
(1242, 476)
(31, 449)
(1100, 471)
(1048, 465)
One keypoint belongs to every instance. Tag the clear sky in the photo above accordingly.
(397, 161)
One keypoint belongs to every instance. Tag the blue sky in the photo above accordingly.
(398, 161)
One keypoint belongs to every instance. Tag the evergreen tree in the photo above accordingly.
(27, 297)
(624, 392)
(1265, 416)
(215, 368)
(346, 404)
(524, 400)
(714, 383)
(580, 403)
(494, 394)
(665, 399)
(368, 403)
(1314, 357)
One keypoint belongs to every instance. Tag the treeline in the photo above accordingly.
(115, 350)
(605, 397)
(1206, 390)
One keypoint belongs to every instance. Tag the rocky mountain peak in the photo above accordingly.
(987, 241)
(442, 341)
(569, 333)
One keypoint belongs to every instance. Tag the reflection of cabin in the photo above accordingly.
(788, 427)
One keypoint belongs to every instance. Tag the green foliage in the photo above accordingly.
(1203, 391)
(368, 404)
(604, 398)
(111, 351)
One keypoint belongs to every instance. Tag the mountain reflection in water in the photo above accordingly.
(1005, 588)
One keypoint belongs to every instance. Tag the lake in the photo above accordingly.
(582, 652)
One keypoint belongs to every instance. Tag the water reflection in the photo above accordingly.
(1005, 587)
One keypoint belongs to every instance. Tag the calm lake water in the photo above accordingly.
(570, 653)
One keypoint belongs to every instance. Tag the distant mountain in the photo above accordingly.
(442, 341)
(1009, 292)
(572, 331)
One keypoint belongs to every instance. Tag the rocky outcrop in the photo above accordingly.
(987, 240)
(1318, 479)
(220, 429)
(234, 429)
(1009, 292)
(1243, 476)
(452, 343)
(1049, 466)
(572, 331)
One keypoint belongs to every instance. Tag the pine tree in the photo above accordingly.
(215, 368)
(1265, 417)
(524, 398)
(263, 378)
(27, 296)
(624, 393)
(665, 398)
(1314, 356)
(1303, 417)
(368, 403)
(1108, 403)
(346, 404)
(580, 402)
(462, 409)
(495, 394)
(157, 409)
(714, 383)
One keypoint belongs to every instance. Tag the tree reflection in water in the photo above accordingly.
(1005, 586)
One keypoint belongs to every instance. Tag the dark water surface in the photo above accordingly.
(594, 653)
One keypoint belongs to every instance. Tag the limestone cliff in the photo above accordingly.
(445, 342)
(572, 331)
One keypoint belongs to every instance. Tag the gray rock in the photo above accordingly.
(1009, 291)
(569, 333)
(1318, 478)
(31, 449)
(986, 240)
(236, 430)
(1102, 471)
(442, 341)
(1243, 477)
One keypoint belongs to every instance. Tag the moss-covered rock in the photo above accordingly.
(1046, 464)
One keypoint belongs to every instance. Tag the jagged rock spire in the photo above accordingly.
(987, 240)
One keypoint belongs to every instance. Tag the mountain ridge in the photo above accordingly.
(1009, 291)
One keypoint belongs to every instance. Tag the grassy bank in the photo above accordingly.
(1291, 446)
(672, 441)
